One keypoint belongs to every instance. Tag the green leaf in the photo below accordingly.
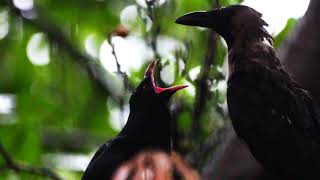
(291, 23)
(229, 2)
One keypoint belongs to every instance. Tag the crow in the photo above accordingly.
(270, 112)
(148, 127)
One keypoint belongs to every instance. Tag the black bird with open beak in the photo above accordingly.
(148, 127)
(278, 120)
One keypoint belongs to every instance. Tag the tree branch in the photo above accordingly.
(127, 85)
(11, 164)
(202, 86)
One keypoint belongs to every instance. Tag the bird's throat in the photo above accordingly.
(149, 128)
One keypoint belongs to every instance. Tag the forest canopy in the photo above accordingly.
(67, 69)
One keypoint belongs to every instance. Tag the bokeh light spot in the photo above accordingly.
(90, 45)
(194, 72)
(38, 50)
(131, 52)
(7, 103)
(4, 24)
(167, 46)
(274, 13)
(75, 162)
(23, 4)
(129, 16)
(143, 3)
(118, 118)
(167, 73)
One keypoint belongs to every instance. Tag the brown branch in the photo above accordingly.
(56, 35)
(202, 86)
(11, 164)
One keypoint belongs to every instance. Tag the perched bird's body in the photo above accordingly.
(272, 114)
(148, 127)
(279, 121)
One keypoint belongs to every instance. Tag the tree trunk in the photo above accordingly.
(300, 53)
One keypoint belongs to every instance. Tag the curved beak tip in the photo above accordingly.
(150, 74)
(150, 69)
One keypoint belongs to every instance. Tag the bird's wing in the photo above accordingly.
(100, 151)
(109, 156)
(284, 97)
(310, 124)
(107, 147)
(276, 119)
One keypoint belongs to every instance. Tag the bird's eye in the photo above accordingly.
(146, 88)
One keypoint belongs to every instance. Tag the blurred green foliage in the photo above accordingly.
(55, 111)
(284, 33)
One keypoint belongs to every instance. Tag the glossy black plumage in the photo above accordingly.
(148, 127)
(278, 120)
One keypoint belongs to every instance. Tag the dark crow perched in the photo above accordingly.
(278, 120)
(148, 127)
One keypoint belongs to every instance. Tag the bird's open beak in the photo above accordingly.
(150, 74)
(200, 18)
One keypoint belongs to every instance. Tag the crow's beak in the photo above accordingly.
(200, 18)
(158, 90)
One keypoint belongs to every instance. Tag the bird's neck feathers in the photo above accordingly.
(247, 55)
(248, 34)
(149, 124)
(251, 43)
(248, 26)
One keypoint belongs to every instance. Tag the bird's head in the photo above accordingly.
(149, 95)
(228, 22)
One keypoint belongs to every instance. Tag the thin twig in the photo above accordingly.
(202, 86)
(127, 86)
(11, 164)
(123, 74)
(114, 54)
